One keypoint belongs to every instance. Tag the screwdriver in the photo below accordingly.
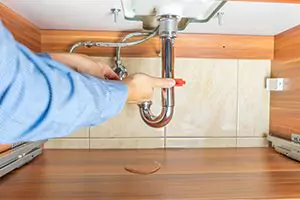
(179, 82)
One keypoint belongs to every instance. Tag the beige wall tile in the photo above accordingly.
(253, 99)
(252, 142)
(200, 142)
(129, 122)
(71, 143)
(81, 133)
(206, 105)
(130, 143)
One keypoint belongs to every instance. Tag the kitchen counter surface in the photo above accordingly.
(250, 173)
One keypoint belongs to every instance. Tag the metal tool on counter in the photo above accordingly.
(18, 155)
(287, 147)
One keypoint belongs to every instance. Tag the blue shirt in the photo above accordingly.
(41, 98)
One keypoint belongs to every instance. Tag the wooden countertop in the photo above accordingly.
(253, 173)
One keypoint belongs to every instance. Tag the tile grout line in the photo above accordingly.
(170, 137)
(165, 137)
(89, 137)
(237, 104)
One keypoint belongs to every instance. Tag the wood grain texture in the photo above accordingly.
(272, 1)
(258, 173)
(287, 45)
(4, 147)
(187, 45)
(285, 106)
(23, 31)
(224, 46)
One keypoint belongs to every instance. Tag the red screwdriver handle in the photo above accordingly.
(179, 82)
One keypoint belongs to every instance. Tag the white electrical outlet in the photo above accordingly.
(275, 84)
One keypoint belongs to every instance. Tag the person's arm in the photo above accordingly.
(85, 64)
(41, 98)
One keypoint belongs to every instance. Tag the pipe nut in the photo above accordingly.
(121, 71)
(168, 26)
(145, 105)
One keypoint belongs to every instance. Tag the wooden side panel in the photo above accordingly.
(187, 45)
(271, 1)
(285, 106)
(25, 32)
(287, 45)
(224, 46)
(4, 147)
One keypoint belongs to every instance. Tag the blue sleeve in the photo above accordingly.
(41, 98)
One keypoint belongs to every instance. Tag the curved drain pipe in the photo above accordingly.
(167, 32)
(167, 95)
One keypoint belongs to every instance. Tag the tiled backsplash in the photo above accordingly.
(223, 104)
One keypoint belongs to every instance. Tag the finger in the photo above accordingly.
(163, 82)
(108, 72)
(111, 75)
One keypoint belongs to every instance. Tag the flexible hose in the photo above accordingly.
(112, 44)
(130, 35)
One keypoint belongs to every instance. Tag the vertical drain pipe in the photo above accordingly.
(167, 33)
